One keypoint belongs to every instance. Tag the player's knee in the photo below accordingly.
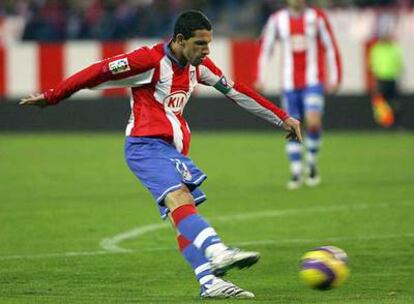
(178, 198)
(314, 128)
(313, 123)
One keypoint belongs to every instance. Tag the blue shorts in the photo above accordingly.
(297, 102)
(162, 169)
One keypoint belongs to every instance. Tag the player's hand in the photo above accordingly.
(36, 99)
(294, 129)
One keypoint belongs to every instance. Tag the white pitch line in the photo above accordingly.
(112, 243)
(242, 243)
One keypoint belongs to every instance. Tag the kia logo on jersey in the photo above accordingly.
(176, 101)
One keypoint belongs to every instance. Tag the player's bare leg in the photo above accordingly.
(313, 142)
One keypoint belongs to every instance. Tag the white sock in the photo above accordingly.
(296, 168)
(311, 158)
(214, 250)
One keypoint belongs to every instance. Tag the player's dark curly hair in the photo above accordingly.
(190, 21)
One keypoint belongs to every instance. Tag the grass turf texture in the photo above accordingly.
(64, 193)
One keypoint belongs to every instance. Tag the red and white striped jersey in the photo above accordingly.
(160, 89)
(307, 42)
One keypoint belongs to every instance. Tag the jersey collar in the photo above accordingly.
(170, 55)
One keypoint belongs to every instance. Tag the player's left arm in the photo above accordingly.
(332, 52)
(249, 99)
(125, 70)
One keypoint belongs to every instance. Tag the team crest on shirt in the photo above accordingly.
(176, 101)
(119, 66)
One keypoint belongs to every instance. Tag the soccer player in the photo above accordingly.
(162, 79)
(307, 44)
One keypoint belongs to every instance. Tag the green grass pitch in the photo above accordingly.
(77, 227)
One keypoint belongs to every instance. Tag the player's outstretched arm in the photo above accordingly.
(107, 73)
(36, 99)
(249, 99)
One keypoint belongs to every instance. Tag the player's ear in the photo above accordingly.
(180, 39)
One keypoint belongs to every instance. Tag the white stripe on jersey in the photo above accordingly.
(131, 120)
(310, 24)
(163, 86)
(330, 52)
(162, 90)
(284, 26)
(132, 81)
(192, 76)
(268, 42)
(252, 106)
(177, 133)
(207, 76)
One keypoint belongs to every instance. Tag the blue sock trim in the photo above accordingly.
(203, 274)
(194, 256)
(314, 135)
(210, 241)
(295, 156)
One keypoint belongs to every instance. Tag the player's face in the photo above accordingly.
(296, 4)
(196, 48)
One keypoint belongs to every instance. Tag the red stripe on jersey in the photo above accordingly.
(369, 76)
(297, 35)
(181, 82)
(149, 115)
(338, 62)
(51, 65)
(140, 95)
(110, 49)
(3, 67)
(322, 66)
(244, 54)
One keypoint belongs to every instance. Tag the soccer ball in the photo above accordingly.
(324, 267)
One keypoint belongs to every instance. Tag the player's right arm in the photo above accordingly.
(247, 98)
(131, 69)
(267, 42)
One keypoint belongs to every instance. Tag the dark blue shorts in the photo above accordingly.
(162, 169)
(297, 102)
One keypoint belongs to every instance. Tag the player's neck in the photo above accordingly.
(177, 52)
(297, 11)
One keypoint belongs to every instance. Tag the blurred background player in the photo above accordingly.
(162, 79)
(386, 65)
(307, 42)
